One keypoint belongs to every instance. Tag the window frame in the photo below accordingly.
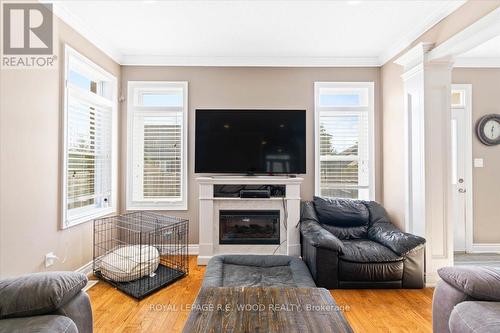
(94, 70)
(370, 109)
(135, 90)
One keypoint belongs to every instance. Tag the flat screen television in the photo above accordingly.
(250, 141)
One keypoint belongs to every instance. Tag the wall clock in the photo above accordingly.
(488, 129)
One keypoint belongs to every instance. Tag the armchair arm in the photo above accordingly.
(38, 293)
(313, 233)
(480, 283)
(398, 241)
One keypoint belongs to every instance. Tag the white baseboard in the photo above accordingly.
(86, 269)
(193, 249)
(431, 279)
(485, 248)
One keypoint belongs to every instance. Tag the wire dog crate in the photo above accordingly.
(140, 252)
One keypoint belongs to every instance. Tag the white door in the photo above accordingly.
(460, 132)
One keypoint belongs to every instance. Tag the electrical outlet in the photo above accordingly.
(50, 259)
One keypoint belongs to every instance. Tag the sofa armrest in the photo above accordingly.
(39, 293)
(398, 241)
(479, 282)
(314, 234)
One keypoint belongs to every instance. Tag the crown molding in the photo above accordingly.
(159, 60)
(446, 9)
(479, 62)
(61, 11)
(106, 46)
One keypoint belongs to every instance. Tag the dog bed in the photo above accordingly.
(129, 263)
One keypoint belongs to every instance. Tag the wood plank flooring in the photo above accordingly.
(166, 310)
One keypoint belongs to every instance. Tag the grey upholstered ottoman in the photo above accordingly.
(257, 271)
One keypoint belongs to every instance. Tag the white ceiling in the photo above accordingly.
(253, 33)
(484, 55)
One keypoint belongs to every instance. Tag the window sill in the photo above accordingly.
(159, 207)
(88, 217)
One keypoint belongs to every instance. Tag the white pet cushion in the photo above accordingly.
(128, 263)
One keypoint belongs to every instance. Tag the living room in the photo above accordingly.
(250, 166)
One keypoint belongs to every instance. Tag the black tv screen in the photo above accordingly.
(250, 141)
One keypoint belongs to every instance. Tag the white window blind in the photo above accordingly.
(88, 186)
(157, 145)
(343, 140)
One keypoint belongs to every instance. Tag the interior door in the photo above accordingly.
(458, 174)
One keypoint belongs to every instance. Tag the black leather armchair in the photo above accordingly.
(353, 244)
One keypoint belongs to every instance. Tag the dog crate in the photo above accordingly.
(140, 252)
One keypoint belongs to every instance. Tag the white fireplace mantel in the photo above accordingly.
(289, 208)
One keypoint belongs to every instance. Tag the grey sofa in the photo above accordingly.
(467, 299)
(257, 271)
(45, 302)
(353, 244)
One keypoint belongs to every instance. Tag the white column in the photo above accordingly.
(293, 210)
(427, 154)
(206, 228)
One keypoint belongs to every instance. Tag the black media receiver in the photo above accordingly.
(255, 193)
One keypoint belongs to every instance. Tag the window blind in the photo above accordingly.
(343, 154)
(158, 157)
(89, 127)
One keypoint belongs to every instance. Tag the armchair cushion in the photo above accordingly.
(363, 250)
(481, 283)
(39, 293)
(341, 212)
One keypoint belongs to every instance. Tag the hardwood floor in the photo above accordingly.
(167, 310)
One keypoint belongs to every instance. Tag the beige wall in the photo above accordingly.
(30, 136)
(486, 181)
(226, 87)
(393, 104)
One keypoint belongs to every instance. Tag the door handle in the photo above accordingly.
(462, 190)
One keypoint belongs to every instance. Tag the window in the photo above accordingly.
(157, 146)
(344, 139)
(89, 177)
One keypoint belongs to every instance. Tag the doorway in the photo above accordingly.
(461, 166)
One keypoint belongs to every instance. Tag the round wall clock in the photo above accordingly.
(488, 129)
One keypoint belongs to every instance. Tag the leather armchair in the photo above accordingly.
(353, 244)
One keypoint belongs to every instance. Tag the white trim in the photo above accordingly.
(420, 28)
(86, 269)
(193, 249)
(69, 51)
(60, 10)
(371, 128)
(469, 213)
(258, 61)
(476, 34)
(480, 62)
(413, 58)
(131, 108)
(107, 46)
(485, 248)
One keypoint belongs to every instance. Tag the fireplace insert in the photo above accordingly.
(249, 227)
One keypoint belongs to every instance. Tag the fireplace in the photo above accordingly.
(249, 227)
